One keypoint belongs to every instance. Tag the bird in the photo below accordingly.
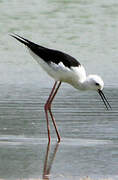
(63, 68)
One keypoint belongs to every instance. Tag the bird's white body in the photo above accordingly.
(75, 76)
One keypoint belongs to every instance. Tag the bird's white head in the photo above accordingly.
(94, 82)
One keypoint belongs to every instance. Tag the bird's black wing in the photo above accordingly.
(49, 55)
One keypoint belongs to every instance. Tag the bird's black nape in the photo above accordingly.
(106, 103)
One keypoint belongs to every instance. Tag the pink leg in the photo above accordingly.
(48, 107)
(46, 111)
(52, 117)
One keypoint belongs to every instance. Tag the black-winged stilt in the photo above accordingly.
(63, 68)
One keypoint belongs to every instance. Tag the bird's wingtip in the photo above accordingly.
(19, 38)
(13, 34)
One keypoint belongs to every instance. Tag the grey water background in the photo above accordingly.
(87, 30)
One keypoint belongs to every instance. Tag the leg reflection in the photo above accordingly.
(49, 158)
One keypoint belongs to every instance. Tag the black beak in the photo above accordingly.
(106, 103)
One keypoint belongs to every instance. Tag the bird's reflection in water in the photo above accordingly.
(49, 158)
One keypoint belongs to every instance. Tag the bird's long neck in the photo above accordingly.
(88, 83)
(82, 85)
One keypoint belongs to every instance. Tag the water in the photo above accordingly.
(87, 30)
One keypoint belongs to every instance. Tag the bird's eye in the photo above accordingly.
(97, 84)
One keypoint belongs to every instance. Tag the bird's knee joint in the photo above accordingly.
(46, 107)
(49, 107)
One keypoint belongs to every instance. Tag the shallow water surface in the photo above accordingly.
(87, 30)
(89, 135)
